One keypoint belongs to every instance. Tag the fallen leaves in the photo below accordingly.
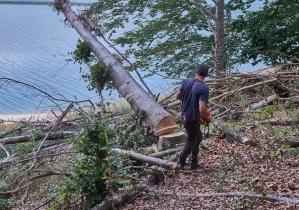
(229, 167)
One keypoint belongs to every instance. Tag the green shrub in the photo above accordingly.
(95, 171)
(7, 203)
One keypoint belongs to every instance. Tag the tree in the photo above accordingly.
(155, 114)
(270, 35)
(169, 37)
(219, 37)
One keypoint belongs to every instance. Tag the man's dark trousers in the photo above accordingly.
(194, 137)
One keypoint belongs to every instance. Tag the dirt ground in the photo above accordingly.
(267, 168)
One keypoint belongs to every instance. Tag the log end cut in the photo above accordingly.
(248, 142)
(169, 141)
(166, 125)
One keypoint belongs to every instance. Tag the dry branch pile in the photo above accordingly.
(237, 95)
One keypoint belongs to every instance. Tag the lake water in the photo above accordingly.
(34, 48)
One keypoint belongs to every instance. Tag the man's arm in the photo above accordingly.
(180, 93)
(203, 107)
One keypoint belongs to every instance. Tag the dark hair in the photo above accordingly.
(202, 70)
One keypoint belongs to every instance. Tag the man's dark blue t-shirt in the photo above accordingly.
(193, 91)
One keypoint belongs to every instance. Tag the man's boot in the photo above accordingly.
(194, 163)
(181, 162)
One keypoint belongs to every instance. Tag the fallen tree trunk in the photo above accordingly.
(232, 135)
(125, 84)
(292, 143)
(269, 197)
(166, 152)
(262, 103)
(27, 138)
(146, 159)
(118, 200)
(278, 121)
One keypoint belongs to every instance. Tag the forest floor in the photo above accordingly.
(270, 168)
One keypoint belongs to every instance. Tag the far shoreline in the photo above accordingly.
(46, 116)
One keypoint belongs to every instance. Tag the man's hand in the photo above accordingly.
(179, 95)
(205, 121)
(204, 111)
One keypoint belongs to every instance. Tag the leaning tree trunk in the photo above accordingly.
(219, 37)
(156, 115)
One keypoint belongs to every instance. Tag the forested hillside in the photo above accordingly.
(124, 155)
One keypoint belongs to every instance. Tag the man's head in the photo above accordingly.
(202, 70)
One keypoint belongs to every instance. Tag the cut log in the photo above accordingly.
(120, 199)
(292, 143)
(150, 149)
(262, 103)
(166, 152)
(278, 121)
(269, 197)
(125, 84)
(169, 141)
(231, 135)
(27, 138)
(146, 159)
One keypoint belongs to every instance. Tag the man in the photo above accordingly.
(194, 95)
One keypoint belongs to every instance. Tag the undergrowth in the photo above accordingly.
(96, 172)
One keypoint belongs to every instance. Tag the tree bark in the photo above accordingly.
(118, 200)
(166, 152)
(219, 37)
(254, 195)
(125, 84)
(27, 138)
(232, 135)
(278, 121)
(147, 159)
(262, 103)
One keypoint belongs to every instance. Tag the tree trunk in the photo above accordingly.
(147, 159)
(219, 37)
(27, 138)
(125, 84)
(232, 135)
(118, 200)
(262, 103)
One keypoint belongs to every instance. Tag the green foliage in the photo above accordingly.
(58, 5)
(270, 35)
(284, 150)
(96, 76)
(82, 54)
(21, 150)
(7, 203)
(166, 36)
(268, 111)
(95, 172)
(295, 118)
(2, 154)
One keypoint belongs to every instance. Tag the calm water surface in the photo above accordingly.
(34, 48)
